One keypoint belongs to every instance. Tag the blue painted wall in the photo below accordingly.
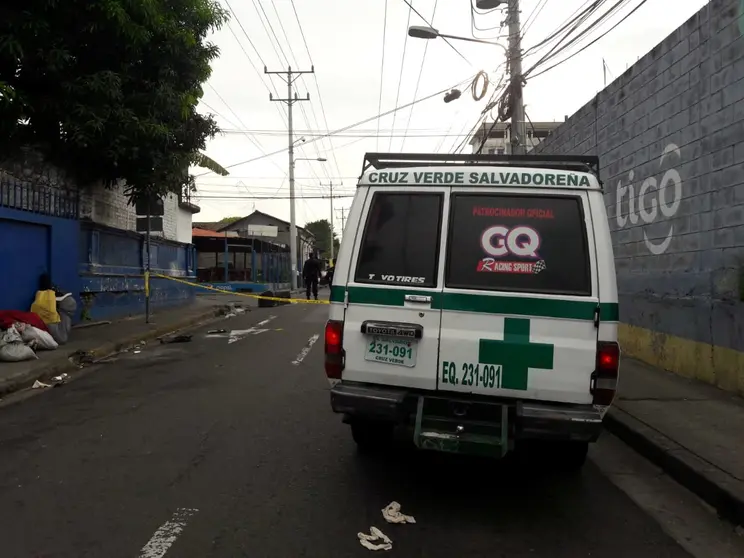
(111, 268)
(31, 244)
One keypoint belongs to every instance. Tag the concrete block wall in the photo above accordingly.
(669, 133)
(108, 207)
(111, 207)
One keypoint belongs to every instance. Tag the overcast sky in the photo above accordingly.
(345, 43)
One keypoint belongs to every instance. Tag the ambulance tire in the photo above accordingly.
(372, 436)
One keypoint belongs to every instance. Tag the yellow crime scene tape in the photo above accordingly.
(224, 291)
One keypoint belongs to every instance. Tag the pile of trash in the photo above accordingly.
(21, 340)
(45, 327)
(376, 539)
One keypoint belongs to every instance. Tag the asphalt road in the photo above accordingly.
(219, 448)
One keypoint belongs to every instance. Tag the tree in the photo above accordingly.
(228, 220)
(107, 90)
(202, 160)
(322, 231)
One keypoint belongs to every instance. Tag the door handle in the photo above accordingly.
(417, 298)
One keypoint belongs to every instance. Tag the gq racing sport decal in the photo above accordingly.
(520, 244)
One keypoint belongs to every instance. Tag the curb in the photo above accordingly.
(26, 379)
(702, 478)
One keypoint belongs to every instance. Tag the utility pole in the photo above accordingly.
(289, 77)
(519, 130)
(331, 185)
(332, 250)
(343, 211)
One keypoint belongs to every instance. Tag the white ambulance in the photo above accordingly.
(475, 302)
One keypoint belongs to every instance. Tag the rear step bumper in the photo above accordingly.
(530, 419)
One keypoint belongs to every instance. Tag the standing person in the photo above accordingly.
(311, 275)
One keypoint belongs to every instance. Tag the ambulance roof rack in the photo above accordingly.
(577, 163)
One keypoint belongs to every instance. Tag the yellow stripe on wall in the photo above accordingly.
(720, 366)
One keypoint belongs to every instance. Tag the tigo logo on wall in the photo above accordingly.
(653, 197)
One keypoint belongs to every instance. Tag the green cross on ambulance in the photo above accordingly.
(474, 305)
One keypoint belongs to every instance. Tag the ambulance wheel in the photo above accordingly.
(371, 435)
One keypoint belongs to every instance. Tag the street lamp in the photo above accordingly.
(321, 159)
(515, 60)
(425, 32)
(488, 4)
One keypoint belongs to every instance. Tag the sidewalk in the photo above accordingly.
(100, 341)
(693, 431)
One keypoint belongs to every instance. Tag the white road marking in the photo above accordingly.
(306, 349)
(238, 334)
(266, 321)
(164, 537)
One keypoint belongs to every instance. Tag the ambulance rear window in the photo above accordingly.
(400, 245)
(505, 242)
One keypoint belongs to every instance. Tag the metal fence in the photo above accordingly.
(38, 198)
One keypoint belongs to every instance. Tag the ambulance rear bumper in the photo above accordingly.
(528, 419)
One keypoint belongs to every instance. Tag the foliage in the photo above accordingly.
(107, 89)
(322, 231)
(228, 220)
(202, 160)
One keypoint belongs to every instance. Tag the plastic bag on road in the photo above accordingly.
(391, 513)
(376, 540)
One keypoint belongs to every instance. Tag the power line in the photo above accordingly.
(271, 197)
(256, 6)
(304, 40)
(313, 189)
(237, 19)
(400, 76)
(372, 135)
(579, 13)
(318, 131)
(282, 113)
(460, 54)
(232, 177)
(302, 78)
(555, 51)
(255, 142)
(594, 41)
(350, 126)
(574, 23)
(496, 97)
(271, 34)
(421, 68)
(382, 67)
(474, 26)
(539, 7)
(317, 86)
(284, 32)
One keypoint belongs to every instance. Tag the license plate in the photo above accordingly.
(386, 350)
